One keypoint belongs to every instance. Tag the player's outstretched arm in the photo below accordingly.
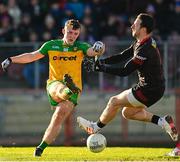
(122, 56)
(22, 59)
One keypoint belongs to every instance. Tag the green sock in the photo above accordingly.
(43, 145)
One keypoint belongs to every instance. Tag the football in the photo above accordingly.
(96, 142)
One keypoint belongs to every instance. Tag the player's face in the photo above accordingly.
(70, 35)
(136, 27)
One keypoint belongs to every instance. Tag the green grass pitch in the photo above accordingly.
(83, 154)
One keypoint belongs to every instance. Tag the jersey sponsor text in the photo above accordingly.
(65, 58)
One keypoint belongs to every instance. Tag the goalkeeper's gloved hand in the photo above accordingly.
(6, 63)
(89, 63)
(98, 47)
(99, 65)
(92, 64)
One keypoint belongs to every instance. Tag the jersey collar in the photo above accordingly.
(144, 40)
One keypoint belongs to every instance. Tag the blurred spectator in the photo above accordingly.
(15, 71)
(5, 30)
(111, 26)
(5, 24)
(77, 7)
(150, 9)
(14, 11)
(36, 12)
(50, 29)
(57, 12)
(3, 11)
(107, 20)
(85, 36)
(99, 13)
(29, 74)
(135, 7)
(25, 27)
(164, 17)
(100, 17)
(90, 27)
(177, 6)
(33, 36)
(29, 69)
(68, 14)
(34, 8)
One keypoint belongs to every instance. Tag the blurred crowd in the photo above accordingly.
(41, 20)
(107, 20)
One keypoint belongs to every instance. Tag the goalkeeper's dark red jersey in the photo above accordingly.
(143, 57)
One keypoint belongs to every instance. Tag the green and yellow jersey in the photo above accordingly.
(65, 59)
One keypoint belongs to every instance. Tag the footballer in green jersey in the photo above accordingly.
(65, 83)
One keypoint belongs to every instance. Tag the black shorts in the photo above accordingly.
(148, 96)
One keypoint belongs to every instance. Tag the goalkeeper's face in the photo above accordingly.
(136, 27)
(70, 35)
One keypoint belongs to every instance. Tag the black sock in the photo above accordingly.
(155, 119)
(100, 124)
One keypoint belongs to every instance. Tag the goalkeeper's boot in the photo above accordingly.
(174, 152)
(169, 126)
(89, 126)
(67, 79)
(38, 152)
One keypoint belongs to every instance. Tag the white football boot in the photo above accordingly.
(169, 126)
(174, 152)
(89, 126)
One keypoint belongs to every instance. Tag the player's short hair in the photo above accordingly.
(74, 24)
(147, 21)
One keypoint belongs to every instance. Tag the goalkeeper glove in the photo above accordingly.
(99, 65)
(98, 47)
(6, 63)
(92, 64)
(89, 63)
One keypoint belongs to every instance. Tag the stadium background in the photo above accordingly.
(24, 109)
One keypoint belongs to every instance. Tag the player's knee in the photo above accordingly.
(113, 101)
(64, 93)
(125, 113)
(128, 113)
(58, 90)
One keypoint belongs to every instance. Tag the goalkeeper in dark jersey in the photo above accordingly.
(65, 83)
(142, 56)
